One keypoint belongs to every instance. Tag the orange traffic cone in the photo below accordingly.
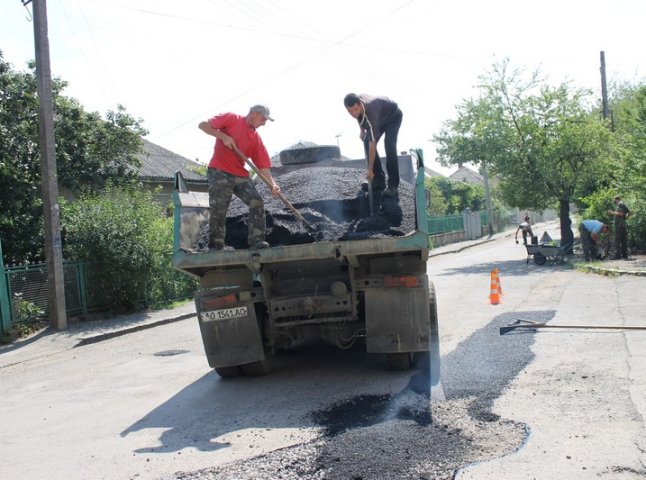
(494, 294)
(496, 272)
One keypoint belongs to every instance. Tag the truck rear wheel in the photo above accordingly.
(257, 369)
(228, 372)
(399, 360)
(434, 350)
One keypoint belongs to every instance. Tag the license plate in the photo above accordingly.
(224, 314)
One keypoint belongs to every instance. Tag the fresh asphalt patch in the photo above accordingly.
(410, 435)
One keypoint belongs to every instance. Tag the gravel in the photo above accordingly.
(394, 447)
(409, 435)
(332, 201)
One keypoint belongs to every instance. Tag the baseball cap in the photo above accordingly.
(263, 110)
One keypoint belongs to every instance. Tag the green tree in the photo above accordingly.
(126, 241)
(546, 144)
(628, 174)
(89, 152)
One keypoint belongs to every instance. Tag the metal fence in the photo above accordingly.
(24, 293)
(445, 224)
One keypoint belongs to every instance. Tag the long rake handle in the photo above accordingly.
(514, 326)
(269, 184)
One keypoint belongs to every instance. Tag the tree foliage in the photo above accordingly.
(449, 197)
(547, 144)
(89, 152)
(126, 241)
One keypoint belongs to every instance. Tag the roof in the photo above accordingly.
(466, 175)
(432, 173)
(160, 165)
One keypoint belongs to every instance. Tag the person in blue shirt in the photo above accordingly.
(590, 231)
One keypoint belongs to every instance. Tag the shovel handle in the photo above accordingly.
(270, 185)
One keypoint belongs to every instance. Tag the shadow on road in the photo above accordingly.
(507, 268)
(203, 414)
(317, 385)
(484, 364)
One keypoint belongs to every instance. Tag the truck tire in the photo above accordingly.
(434, 349)
(399, 360)
(313, 154)
(228, 372)
(259, 368)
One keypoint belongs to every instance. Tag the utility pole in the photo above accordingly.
(604, 87)
(49, 179)
(337, 140)
(485, 179)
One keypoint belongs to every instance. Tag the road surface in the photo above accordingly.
(536, 405)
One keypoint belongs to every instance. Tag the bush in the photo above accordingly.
(126, 242)
(637, 225)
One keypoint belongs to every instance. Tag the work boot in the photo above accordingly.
(376, 185)
(259, 246)
(390, 192)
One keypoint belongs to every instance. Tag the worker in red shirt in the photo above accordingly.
(227, 174)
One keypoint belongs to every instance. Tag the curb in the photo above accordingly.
(612, 271)
(117, 333)
(460, 249)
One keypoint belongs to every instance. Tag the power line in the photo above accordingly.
(292, 66)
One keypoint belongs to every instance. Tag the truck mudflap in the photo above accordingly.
(397, 317)
(230, 332)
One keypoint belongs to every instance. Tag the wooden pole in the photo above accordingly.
(604, 87)
(49, 180)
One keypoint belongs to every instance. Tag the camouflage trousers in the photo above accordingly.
(222, 186)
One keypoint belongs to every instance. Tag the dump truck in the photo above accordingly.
(371, 293)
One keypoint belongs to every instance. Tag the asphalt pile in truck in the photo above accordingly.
(332, 201)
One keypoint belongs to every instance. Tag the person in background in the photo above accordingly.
(378, 116)
(526, 228)
(620, 213)
(227, 175)
(590, 231)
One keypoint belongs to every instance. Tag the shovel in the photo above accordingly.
(269, 184)
(372, 208)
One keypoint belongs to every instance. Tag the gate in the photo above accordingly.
(5, 312)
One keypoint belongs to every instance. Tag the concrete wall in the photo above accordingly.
(446, 238)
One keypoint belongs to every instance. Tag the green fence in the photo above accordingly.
(24, 294)
(5, 312)
(445, 224)
(26, 288)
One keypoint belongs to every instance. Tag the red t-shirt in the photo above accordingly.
(247, 140)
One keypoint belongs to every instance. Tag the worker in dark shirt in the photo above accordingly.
(620, 213)
(526, 228)
(378, 116)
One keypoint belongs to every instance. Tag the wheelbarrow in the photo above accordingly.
(546, 252)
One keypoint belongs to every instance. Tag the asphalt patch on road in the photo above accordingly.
(484, 364)
(367, 410)
(375, 437)
(332, 201)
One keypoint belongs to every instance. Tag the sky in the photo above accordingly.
(173, 64)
